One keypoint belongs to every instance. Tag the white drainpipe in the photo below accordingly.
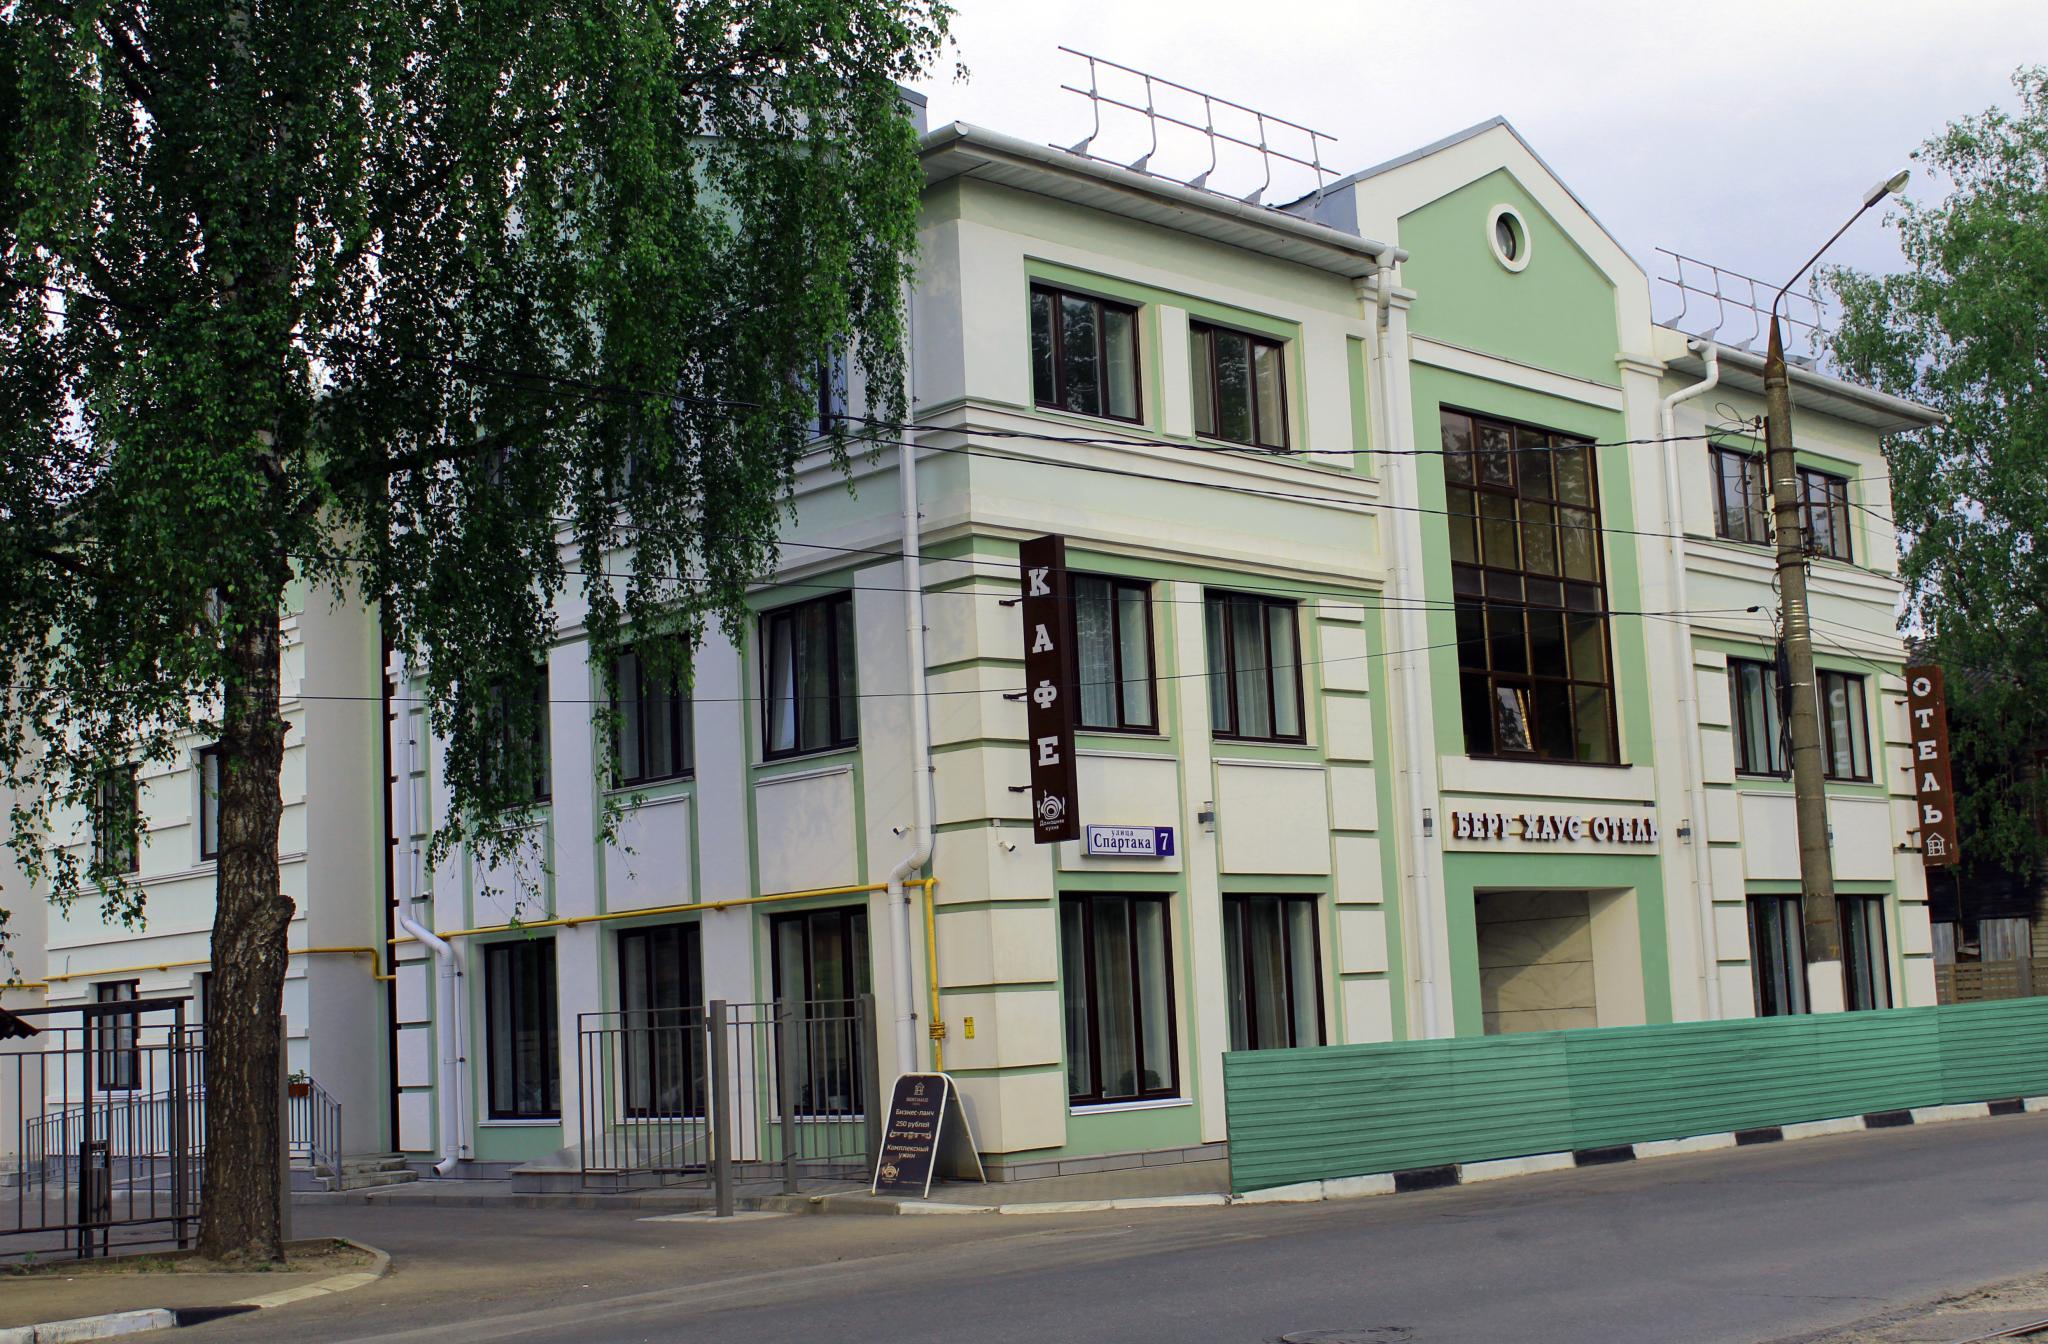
(1415, 667)
(447, 1005)
(1688, 687)
(912, 863)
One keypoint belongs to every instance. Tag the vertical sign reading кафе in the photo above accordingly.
(1049, 689)
(1933, 786)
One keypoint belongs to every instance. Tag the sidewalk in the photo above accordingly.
(100, 1287)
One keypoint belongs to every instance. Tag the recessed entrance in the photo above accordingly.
(1552, 960)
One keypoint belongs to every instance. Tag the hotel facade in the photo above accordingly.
(1424, 621)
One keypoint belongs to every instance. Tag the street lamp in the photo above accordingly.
(1816, 862)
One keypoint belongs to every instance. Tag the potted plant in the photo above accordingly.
(300, 1083)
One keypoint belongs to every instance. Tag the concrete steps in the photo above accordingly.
(362, 1172)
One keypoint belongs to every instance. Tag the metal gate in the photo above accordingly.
(779, 1092)
(104, 1102)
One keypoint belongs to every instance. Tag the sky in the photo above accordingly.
(1739, 132)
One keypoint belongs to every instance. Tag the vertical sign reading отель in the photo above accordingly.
(1049, 689)
(1933, 786)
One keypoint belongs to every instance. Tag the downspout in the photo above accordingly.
(447, 1011)
(1688, 687)
(1408, 589)
(920, 852)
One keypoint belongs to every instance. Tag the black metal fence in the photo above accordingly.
(105, 1102)
(783, 1092)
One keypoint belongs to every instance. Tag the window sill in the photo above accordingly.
(1111, 1107)
(820, 762)
(1546, 760)
(517, 1124)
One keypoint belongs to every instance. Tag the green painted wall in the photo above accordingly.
(1556, 313)
(1353, 1110)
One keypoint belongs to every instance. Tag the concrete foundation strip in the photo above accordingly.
(114, 1324)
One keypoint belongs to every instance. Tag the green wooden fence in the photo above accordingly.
(1354, 1110)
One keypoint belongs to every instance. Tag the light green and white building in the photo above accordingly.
(1417, 593)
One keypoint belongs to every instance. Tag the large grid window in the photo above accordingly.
(821, 969)
(1536, 673)
(1824, 499)
(1113, 642)
(1084, 354)
(1271, 972)
(654, 723)
(209, 803)
(116, 818)
(117, 1056)
(1742, 496)
(809, 683)
(1759, 718)
(1844, 726)
(1116, 960)
(1254, 668)
(1777, 955)
(1240, 387)
(1866, 973)
(524, 1057)
(661, 997)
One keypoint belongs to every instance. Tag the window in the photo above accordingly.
(821, 969)
(1271, 972)
(1824, 499)
(1866, 973)
(1240, 387)
(524, 1058)
(1084, 354)
(209, 803)
(661, 998)
(518, 747)
(1254, 668)
(1115, 959)
(1777, 955)
(1742, 496)
(808, 678)
(654, 723)
(1536, 678)
(1113, 632)
(833, 404)
(1759, 718)
(1844, 733)
(118, 1058)
(116, 818)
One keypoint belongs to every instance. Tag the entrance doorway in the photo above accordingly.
(1554, 960)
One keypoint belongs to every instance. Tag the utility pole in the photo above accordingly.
(1824, 984)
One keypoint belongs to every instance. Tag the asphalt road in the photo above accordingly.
(1764, 1243)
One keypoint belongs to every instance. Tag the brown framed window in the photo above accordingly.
(524, 1055)
(661, 999)
(1824, 500)
(1240, 387)
(1117, 964)
(1844, 726)
(1254, 667)
(1866, 971)
(117, 819)
(1272, 971)
(1759, 718)
(1777, 955)
(1742, 496)
(1113, 643)
(654, 738)
(209, 803)
(1536, 669)
(809, 684)
(1084, 354)
(820, 971)
(117, 1056)
(833, 402)
(519, 742)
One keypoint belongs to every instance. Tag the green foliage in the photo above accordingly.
(1965, 330)
(503, 315)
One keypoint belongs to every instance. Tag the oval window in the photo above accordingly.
(1509, 237)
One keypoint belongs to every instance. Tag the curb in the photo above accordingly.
(1472, 1173)
(114, 1324)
